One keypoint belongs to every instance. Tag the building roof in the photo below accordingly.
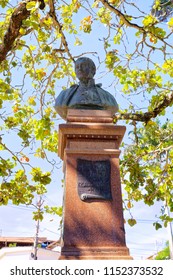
(22, 239)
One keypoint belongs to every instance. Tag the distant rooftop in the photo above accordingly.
(21, 241)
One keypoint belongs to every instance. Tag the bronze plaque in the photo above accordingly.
(94, 179)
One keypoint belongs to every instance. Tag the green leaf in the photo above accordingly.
(157, 225)
(131, 222)
(32, 4)
(3, 3)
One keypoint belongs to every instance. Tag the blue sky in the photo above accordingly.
(142, 239)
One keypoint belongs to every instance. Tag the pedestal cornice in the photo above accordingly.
(88, 131)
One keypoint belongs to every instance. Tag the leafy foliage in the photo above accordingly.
(39, 42)
(163, 254)
(149, 173)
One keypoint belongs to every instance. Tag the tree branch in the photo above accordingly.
(52, 13)
(145, 117)
(20, 13)
(122, 16)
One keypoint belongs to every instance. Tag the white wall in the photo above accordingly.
(24, 253)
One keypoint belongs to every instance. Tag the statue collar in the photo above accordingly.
(90, 83)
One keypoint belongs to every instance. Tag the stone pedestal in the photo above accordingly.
(93, 223)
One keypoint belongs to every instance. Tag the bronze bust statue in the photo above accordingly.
(86, 95)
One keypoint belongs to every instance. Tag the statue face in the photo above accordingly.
(84, 69)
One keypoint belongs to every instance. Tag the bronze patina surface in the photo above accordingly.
(86, 95)
(94, 179)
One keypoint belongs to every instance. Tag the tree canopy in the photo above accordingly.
(131, 43)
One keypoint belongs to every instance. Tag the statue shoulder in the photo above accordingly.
(67, 90)
(101, 90)
(106, 97)
(99, 85)
(65, 94)
(74, 86)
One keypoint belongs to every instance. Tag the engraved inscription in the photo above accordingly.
(94, 179)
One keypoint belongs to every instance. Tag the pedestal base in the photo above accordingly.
(90, 253)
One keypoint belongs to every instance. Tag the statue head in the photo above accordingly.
(85, 68)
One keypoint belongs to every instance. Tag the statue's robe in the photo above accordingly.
(94, 98)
